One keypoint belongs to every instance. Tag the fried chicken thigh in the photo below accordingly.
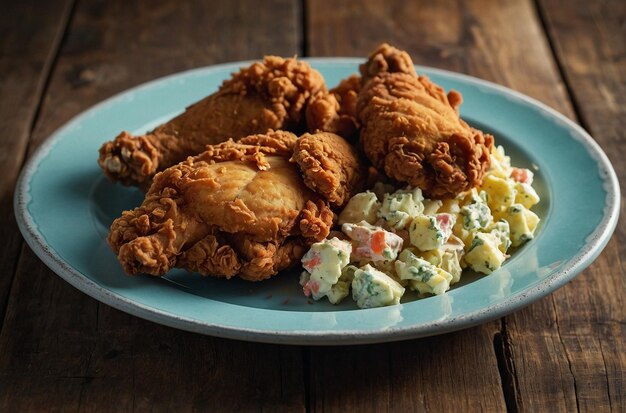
(239, 208)
(412, 130)
(272, 94)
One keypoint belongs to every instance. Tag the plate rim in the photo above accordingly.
(590, 251)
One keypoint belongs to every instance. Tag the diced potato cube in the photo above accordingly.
(500, 192)
(339, 291)
(476, 214)
(431, 206)
(372, 243)
(324, 262)
(500, 163)
(501, 230)
(449, 206)
(483, 254)
(522, 222)
(450, 263)
(432, 256)
(526, 195)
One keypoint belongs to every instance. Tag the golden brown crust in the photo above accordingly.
(262, 260)
(251, 149)
(266, 95)
(335, 111)
(239, 208)
(211, 257)
(412, 130)
(330, 166)
(316, 220)
(386, 58)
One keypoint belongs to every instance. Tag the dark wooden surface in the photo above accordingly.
(63, 351)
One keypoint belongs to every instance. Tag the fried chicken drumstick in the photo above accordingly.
(409, 127)
(335, 110)
(272, 94)
(412, 130)
(239, 208)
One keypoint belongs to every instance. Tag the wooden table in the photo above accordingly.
(60, 350)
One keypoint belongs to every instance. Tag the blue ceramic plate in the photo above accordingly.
(64, 207)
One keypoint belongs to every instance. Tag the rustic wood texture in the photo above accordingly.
(26, 58)
(61, 350)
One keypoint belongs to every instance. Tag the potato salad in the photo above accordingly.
(393, 240)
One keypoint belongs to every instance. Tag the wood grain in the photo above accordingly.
(27, 53)
(439, 374)
(62, 350)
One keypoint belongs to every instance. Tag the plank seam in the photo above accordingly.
(606, 375)
(506, 367)
(304, 28)
(306, 366)
(543, 20)
(567, 357)
(51, 63)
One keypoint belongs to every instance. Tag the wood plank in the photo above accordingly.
(476, 38)
(542, 359)
(441, 373)
(61, 350)
(26, 55)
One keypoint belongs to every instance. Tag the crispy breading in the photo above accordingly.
(412, 130)
(239, 208)
(330, 166)
(386, 59)
(272, 94)
(335, 111)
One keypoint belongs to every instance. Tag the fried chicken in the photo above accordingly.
(330, 166)
(239, 208)
(386, 59)
(272, 94)
(335, 111)
(412, 130)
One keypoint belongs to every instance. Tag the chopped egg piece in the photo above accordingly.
(373, 288)
(361, 207)
(400, 207)
(423, 276)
